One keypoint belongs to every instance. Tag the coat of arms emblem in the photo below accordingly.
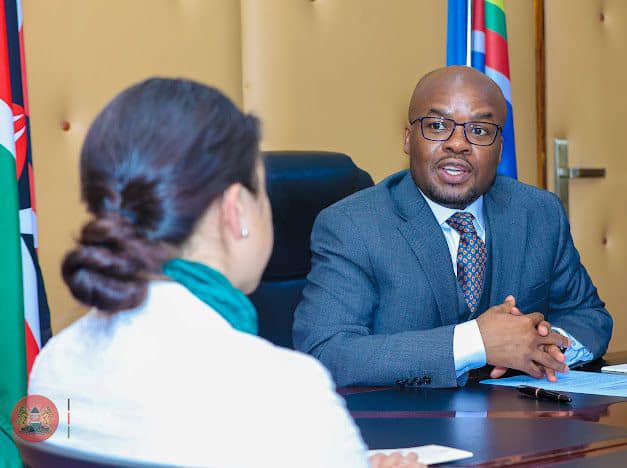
(35, 418)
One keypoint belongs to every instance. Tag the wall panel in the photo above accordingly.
(337, 75)
(78, 55)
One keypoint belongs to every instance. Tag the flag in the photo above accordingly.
(36, 312)
(12, 345)
(24, 313)
(457, 33)
(477, 37)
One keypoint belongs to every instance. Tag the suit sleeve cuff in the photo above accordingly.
(468, 349)
(577, 352)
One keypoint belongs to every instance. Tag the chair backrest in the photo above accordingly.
(300, 184)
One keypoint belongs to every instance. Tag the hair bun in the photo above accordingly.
(108, 269)
(153, 161)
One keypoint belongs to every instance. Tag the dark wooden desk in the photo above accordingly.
(497, 424)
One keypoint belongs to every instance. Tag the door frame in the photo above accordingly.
(540, 59)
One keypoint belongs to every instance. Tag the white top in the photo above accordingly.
(172, 382)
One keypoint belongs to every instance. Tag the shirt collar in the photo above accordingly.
(442, 213)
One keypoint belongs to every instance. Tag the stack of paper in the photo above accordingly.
(574, 381)
(617, 369)
(429, 454)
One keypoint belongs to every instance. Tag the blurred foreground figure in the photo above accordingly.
(166, 367)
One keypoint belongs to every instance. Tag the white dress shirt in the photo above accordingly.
(468, 349)
(172, 382)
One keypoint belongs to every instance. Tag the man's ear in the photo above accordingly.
(501, 150)
(407, 139)
(231, 210)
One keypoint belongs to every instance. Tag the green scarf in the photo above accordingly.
(215, 290)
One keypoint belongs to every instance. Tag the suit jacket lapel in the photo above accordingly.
(507, 228)
(421, 231)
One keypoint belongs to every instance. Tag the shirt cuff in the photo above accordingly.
(577, 352)
(468, 349)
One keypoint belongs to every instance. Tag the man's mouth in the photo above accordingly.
(454, 172)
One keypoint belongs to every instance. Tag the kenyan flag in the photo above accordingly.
(12, 349)
(24, 315)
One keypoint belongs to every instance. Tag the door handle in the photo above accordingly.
(563, 173)
(579, 172)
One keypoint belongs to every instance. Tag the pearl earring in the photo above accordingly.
(244, 232)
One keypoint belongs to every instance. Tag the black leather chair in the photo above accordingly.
(300, 184)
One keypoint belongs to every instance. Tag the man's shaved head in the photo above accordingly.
(454, 76)
(458, 103)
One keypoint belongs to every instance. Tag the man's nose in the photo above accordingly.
(458, 143)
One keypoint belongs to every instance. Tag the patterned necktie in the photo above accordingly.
(471, 258)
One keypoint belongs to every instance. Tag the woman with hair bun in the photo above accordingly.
(165, 367)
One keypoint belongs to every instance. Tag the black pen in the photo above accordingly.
(542, 394)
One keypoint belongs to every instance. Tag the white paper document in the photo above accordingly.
(591, 383)
(617, 369)
(429, 454)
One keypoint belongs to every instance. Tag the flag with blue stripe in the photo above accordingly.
(477, 37)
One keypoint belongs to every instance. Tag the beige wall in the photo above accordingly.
(78, 55)
(337, 75)
(587, 106)
(323, 74)
(521, 43)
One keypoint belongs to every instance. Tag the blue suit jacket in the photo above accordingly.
(381, 299)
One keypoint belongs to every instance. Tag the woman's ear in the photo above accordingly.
(232, 211)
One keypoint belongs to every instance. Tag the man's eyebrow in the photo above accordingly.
(439, 112)
(443, 113)
(483, 115)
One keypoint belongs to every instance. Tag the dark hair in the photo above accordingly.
(152, 162)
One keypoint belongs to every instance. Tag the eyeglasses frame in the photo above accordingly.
(499, 128)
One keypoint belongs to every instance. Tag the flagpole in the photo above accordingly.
(469, 34)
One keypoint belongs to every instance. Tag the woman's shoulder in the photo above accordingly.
(208, 331)
(59, 353)
(89, 335)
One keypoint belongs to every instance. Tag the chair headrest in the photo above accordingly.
(300, 184)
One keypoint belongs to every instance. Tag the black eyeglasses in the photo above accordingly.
(441, 129)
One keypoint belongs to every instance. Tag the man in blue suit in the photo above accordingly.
(447, 267)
